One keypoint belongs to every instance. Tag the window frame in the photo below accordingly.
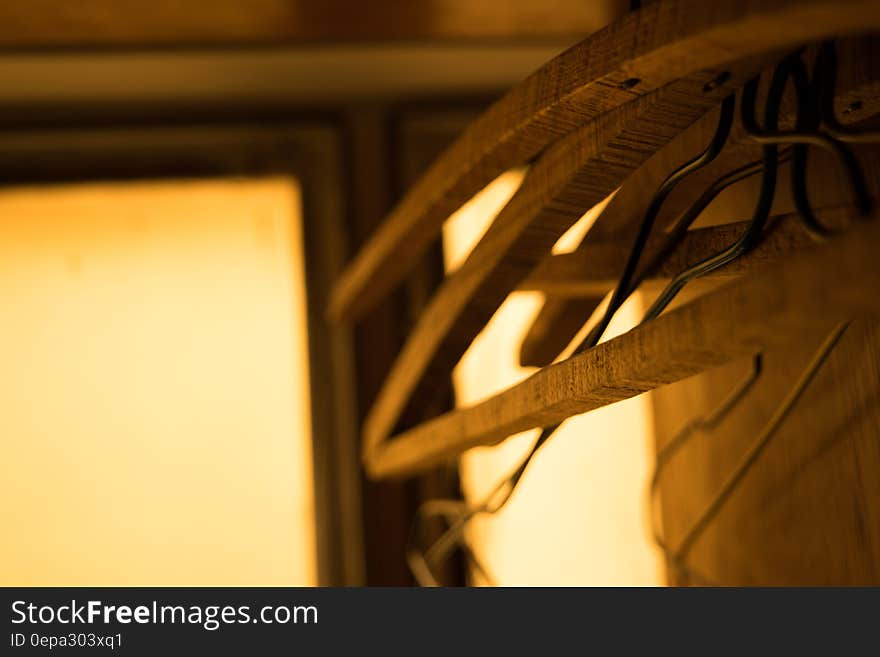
(309, 150)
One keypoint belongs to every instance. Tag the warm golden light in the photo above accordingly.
(154, 404)
(577, 517)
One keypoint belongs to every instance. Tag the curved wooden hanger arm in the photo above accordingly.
(594, 269)
(820, 285)
(576, 283)
(574, 174)
(642, 52)
(556, 326)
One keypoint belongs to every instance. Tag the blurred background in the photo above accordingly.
(181, 184)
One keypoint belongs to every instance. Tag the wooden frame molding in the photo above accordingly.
(310, 151)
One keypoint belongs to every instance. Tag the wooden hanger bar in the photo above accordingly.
(555, 326)
(593, 270)
(574, 174)
(641, 53)
(823, 284)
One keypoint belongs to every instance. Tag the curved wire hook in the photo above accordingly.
(687, 218)
(505, 487)
(811, 98)
(808, 120)
(421, 562)
(811, 111)
(805, 134)
(665, 454)
(765, 198)
(815, 100)
(760, 444)
(678, 556)
(624, 288)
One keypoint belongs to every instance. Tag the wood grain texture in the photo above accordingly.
(838, 279)
(642, 52)
(858, 85)
(592, 271)
(576, 283)
(808, 512)
(573, 175)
